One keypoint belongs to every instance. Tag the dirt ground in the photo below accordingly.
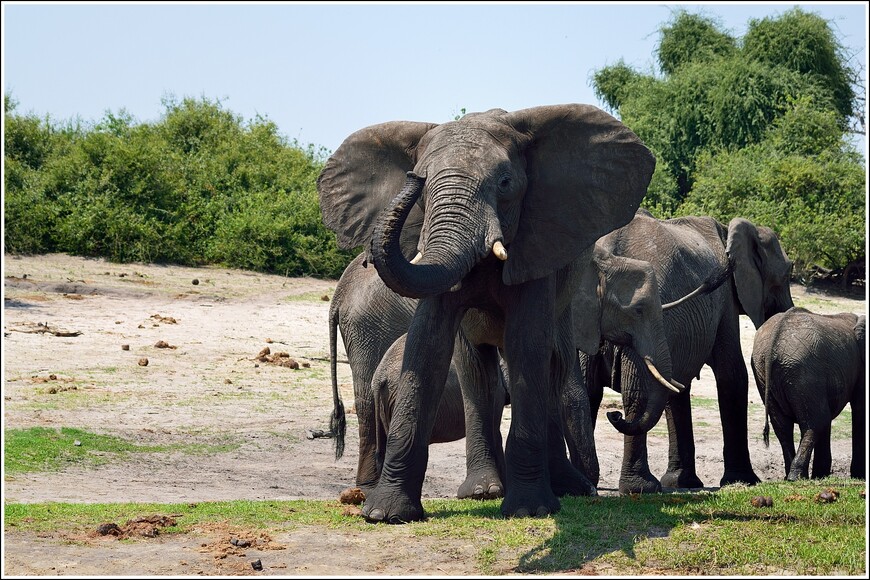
(75, 333)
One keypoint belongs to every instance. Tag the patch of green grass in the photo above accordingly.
(46, 449)
(702, 533)
(312, 296)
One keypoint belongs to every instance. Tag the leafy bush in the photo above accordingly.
(200, 186)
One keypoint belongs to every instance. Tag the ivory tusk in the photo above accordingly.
(499, 250)
(658, 376)
(417, 257)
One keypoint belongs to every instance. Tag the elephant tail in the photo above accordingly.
(764, 380)
(338, 420)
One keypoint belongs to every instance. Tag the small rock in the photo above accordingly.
(257, 564)
(325, 298)
(240, 543)
(77, 443)
(143, 362)
(195, 281)
(862, 494)
(125, 347)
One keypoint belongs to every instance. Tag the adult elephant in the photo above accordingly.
(705, 330)
(368, 315)
(513, 202)
(807, 366)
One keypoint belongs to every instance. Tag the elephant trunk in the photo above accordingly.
(644, 401)
(444, 264)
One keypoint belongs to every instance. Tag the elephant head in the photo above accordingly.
(629, 310)
(533, 187)
(761, 270)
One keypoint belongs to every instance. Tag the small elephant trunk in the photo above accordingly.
(644, 404)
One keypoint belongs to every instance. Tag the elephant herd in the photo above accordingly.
(506, 260)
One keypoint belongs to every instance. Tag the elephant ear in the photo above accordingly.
(744, 254)
(363, 175)
(587, 174)
(586, 305)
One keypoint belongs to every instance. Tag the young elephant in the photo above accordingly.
(450, 417)
(807, 366)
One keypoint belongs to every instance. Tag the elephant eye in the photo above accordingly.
(504, 183)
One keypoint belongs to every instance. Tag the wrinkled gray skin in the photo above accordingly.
(807, 366)
(368, 315)
(450, 418)
(545, 183)
(704, 330)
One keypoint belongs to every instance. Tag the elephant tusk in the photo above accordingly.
(417, 258)
(672, 385)
(499, 251)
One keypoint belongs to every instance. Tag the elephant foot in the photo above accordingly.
(745, 476)
(565, 479)
(481, 485)
(681, 479)
(639, 483)
(523, 501)
(392, 506)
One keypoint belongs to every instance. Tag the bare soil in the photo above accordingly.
(76, 335)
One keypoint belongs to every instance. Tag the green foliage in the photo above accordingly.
(752, 127)
(804, 43)
(811, 194)
(200, 186)
(692, 38)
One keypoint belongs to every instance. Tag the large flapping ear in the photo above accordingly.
(587, 174)
(861, 336)
(744, 254)
(363, 175)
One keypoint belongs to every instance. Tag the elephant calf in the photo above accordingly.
(807, 366)
(449, 419)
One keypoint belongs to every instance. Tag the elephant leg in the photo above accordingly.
(566, 478)
(822, 453)
(801, 465)
(579, 429)
(858, 469)
(592, 381)
(425, 366)
(368, 462)
(732, 388)
(478, 372)
(528, 334)
(784, 430)
(681, 443)
(635, 476)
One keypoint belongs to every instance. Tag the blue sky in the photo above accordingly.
(321, 71)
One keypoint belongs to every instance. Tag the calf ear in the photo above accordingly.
(746, 263)
(861, 335)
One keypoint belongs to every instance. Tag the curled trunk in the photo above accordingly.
(433, 273)
(644, 398)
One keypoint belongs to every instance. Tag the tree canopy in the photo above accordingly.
(755, 127)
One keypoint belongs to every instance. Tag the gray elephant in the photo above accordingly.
(807, 366)
(513, 203)
(449, 422)
(368, 314)
(705, 330)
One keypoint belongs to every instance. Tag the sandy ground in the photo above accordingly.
(75, 333)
